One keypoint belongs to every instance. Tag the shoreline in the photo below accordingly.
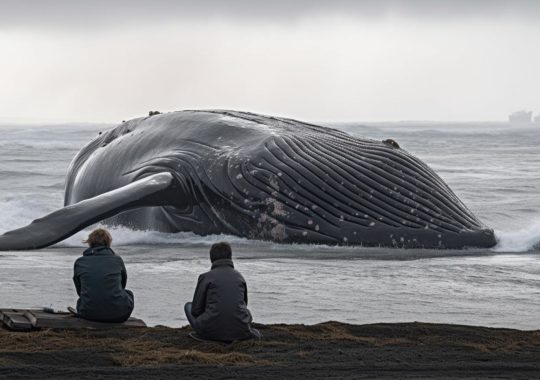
(325, 350)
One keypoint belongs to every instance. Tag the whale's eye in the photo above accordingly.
(392, 143)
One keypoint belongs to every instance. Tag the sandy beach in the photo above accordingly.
(326, 350)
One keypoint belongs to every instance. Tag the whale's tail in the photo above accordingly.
(61, 224)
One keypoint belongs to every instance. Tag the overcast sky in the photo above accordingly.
(313, 60)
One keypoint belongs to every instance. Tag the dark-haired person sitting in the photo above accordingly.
(219, 308)
(100, 278)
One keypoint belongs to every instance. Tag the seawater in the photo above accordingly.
(492, 167)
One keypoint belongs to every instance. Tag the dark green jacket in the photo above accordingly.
(100, 278)
(220, 304)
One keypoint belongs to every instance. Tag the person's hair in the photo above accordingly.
(99, 237)
(220, 251)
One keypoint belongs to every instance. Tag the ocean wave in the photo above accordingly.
(522, 240)
(17, 210)
(22, 174)
(123, 236)
(42, 145)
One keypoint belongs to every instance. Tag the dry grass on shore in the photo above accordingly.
(138, 350)
(318, 351)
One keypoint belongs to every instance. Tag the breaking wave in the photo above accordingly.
(123, 236)
(522, 240)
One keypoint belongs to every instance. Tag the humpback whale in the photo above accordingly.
(259, 177)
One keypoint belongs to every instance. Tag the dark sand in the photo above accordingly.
(328, 350)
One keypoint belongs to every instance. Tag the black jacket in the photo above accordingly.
(100, 279)
(220, 304)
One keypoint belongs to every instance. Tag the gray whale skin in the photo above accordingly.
(259, 177)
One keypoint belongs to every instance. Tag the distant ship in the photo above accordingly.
(521, 117)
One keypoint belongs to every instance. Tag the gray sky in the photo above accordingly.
(314, 60)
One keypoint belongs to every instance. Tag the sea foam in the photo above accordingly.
(522, 240)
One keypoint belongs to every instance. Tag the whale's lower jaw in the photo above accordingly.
(171, 220)
(383, 238)
(407, 238)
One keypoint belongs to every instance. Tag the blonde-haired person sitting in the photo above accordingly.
(100, 278)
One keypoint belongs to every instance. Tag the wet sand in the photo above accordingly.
(327, 350)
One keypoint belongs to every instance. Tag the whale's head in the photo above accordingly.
(312, 184)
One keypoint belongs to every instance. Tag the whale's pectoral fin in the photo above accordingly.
(149, 191)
